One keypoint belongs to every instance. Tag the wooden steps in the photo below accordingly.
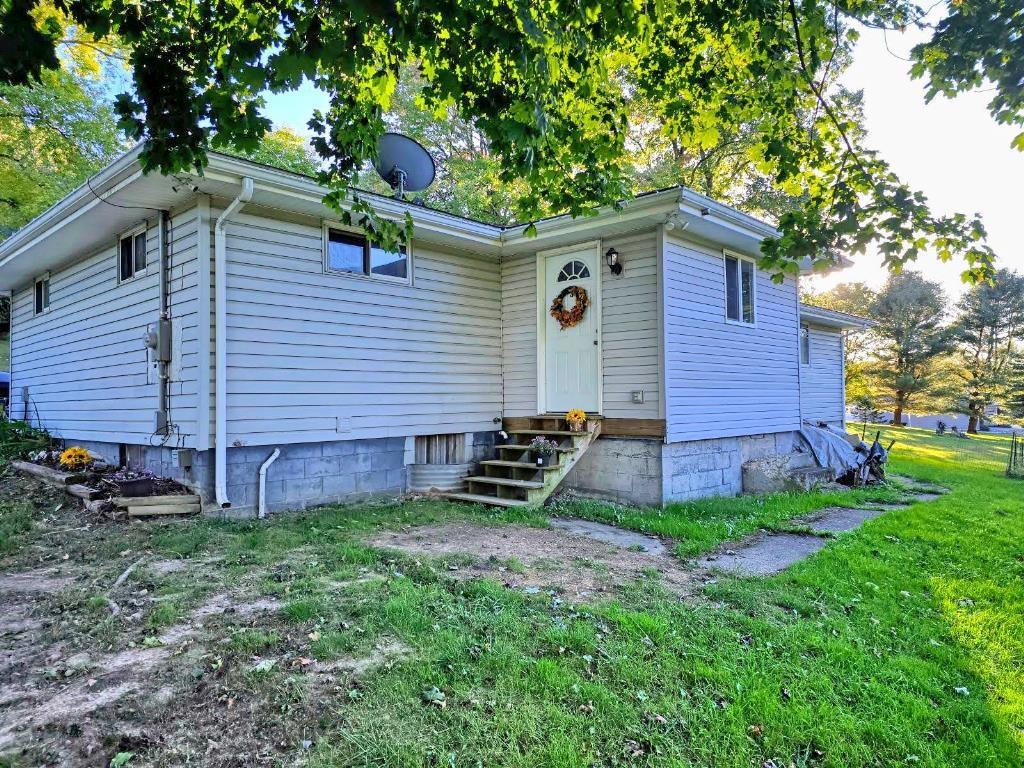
(479, 498)
(516, 465)
(514, 479)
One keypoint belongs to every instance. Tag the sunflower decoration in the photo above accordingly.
(576, 418)
(75, 458)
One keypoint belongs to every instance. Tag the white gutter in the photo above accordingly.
(263, 482)
(220, 406)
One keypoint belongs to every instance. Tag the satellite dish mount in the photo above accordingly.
(404, 164)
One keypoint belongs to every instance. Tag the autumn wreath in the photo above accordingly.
(570, 318)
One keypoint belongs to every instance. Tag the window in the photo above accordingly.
(353, 254)
(42, 294)
(132, 255)
(805, 345)
(739, 289)
(574, 270)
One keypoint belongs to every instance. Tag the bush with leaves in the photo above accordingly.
(18, 439)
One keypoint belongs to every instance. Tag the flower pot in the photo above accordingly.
(142, 486)
(544, 460)
(576, 426)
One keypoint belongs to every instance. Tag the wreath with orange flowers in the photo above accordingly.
(570, 318)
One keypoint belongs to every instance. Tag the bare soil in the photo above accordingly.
(523, 557)
(78, 685)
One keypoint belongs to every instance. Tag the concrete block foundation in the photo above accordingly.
(649, 472)
(304, 475)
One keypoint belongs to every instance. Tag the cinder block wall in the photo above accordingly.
(308, 474)
(698, 469)
(626, 470)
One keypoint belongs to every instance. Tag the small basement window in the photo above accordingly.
(739, 289)
(805, 345)
(131, 249)
(353, 254)
(42, 294)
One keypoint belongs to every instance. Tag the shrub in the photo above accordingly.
(19, 438)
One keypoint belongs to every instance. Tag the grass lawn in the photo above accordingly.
(901, 643)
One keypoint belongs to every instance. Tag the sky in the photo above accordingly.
(951, 149)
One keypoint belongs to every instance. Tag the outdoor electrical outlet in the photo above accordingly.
(637, 395)
(184, 458)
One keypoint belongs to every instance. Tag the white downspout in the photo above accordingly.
(220, 448)
(263, 481)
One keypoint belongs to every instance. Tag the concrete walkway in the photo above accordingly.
(763, 553)
(766, 553)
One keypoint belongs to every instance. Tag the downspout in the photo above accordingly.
(220, 336)
(10, 354)
(263, 482)
(163, 356)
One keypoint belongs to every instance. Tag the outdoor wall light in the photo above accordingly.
(611, 257)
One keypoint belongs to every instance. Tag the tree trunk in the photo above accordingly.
(897, 415)
(972, 424)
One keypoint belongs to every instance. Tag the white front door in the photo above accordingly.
(572, 355)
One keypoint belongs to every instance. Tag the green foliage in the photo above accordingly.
(18, 439)
(283, 148)
(551, 88)
(908, 327)
(52, 136)
(989, 333)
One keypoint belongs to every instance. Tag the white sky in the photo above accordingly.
(952, 150)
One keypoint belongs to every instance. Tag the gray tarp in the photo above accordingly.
(831, 450)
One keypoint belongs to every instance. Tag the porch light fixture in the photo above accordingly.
(611, 257)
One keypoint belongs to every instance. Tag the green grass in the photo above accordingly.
(698, 526)
(901, 643)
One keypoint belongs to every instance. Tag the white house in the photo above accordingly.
(196, 324)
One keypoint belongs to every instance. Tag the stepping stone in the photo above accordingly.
(609, 534)
(764, 555)
(840, 519)
(920, 498)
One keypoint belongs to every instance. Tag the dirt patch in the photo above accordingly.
(577, 566)
(43, 581)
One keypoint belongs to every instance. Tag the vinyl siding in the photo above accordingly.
(629, 330)
(84, 360)
(314, 356)
(726, 379)
(821, 381)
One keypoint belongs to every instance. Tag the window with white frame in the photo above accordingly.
(739, 288)
(805, 345)
(352, 253)
(131, 254)
(42, 294)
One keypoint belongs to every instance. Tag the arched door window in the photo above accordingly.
(574, 270)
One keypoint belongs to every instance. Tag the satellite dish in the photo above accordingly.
(403, 163)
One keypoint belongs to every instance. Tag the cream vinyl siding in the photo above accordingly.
(314, 356)
(84, 360)
(629, 329)
(726, 378)
(822, 389)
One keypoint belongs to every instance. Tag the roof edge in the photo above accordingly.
(834, 317)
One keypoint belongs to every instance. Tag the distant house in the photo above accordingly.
(206, 327)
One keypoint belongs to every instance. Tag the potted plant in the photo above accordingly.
(576, 419)
(131, 482)
(543, 450)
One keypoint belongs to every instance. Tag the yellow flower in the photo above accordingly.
(75, 457)
(576, 417)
